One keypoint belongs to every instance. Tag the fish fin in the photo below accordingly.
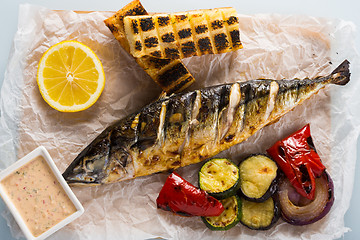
(341, 75)
(163, 95)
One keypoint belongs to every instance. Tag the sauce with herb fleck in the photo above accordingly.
(38, 196)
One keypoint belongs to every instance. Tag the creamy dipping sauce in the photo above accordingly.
(38, 196)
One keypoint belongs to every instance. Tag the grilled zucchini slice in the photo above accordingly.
(219, 177)
(228, 218)
(258, 178)
(259, 216)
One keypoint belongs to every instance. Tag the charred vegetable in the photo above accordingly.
(298, 210)
(258, 175)
(219, 177)
(229, 218)
(259, 216)
(181, 197)
(297, 157)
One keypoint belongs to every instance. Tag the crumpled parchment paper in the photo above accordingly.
(275, 47)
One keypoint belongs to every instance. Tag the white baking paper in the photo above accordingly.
(275, 47)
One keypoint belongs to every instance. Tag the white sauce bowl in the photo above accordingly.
(39, 152)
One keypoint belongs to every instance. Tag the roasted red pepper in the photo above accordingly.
(181, 197)
(297, 157)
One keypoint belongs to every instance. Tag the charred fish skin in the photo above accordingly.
(186, 128)
(202, 133)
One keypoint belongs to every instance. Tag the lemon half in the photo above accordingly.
(70, 76)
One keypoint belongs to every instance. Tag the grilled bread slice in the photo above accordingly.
(116, 25)
(183, 34)
(170, 74)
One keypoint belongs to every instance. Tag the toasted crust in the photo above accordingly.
(116, 22)
(183, 34)
(170, 75)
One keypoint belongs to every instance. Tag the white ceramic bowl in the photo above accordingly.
(40, 151)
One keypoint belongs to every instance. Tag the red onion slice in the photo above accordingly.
(299, 211)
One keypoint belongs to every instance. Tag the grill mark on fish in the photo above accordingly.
(202, 136)
(227, 120)
(274, 88)
(186, 128)
(223, 107)
(160, 131)
(193, 120)
(287, 96)
(256, 107)
(149, 125)
(176, 131)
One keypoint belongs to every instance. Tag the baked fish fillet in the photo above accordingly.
(183, 34)
(190, 127)
(170, 74)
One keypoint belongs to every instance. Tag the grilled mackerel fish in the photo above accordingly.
(170, 74)
(183, 34)
(190, 127)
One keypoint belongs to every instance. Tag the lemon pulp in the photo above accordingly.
(70, 76)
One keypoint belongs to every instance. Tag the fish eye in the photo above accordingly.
(123, 160)
(89, 164)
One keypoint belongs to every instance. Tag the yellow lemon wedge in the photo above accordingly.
(70, 76)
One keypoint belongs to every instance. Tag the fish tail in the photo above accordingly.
(341, 75)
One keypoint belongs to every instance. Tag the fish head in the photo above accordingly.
(105, 160)
(88, 167)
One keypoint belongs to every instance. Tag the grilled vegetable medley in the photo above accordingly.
(257, 192)
(182, 128)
